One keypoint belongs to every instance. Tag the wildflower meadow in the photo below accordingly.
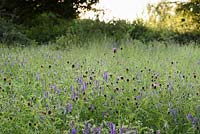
(131, 88)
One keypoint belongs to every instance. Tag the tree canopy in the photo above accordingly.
(24, 10)
(179, 16)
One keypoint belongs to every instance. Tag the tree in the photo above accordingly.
(24, 10)
(177, 16)
(191, 8)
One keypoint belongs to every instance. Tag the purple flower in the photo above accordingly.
(96, 130)
(69, 107)
(158, 132)
(45, 95)
(105, 76)
(189, 117)
(112, 128)
(173, 112)
(84, 87)
(120, 131)
(80, 80)
(71, 88)
(87, 129)
(136, 131)
(37, 77)
(140, 96)
(73, 131)
(194, 121)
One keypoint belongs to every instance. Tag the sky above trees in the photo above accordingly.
(123, 9)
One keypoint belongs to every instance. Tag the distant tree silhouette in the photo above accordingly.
(24, 10)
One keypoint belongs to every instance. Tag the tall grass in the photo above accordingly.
(104, 88)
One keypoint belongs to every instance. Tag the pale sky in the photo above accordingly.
(124, 9)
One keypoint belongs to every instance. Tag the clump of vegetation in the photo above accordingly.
(11, 34)
(46, 27)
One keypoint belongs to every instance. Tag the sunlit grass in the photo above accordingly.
(134, 87)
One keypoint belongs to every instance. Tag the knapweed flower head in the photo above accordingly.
(114, 50)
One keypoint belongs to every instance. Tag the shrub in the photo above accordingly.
(46, 27)
(11, 34)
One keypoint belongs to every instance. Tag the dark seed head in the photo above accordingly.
(49, 112)
(183, 19)
(29, 104)
(114, 50)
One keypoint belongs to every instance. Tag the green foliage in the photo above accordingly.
(46, 27)
(25, 10)
(87, 29)
(191, 8)
(80, 33)
(12, 34)
(174, 21)
(179, 17)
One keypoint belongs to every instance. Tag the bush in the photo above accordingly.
(11, 34)
(89, 29)
(46, 27)
(142, 32)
